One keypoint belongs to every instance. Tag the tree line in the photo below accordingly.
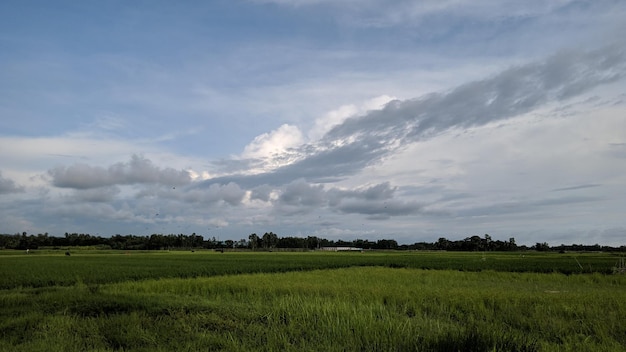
(270, 241)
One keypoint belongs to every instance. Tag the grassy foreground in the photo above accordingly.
(364, 308)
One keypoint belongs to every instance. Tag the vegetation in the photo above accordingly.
(270, 240)
(315, 301)
(42, 268)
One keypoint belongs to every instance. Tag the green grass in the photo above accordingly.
(350, 309)
(94, 267)
(183, 301)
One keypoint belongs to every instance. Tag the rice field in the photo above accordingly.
(311, 302)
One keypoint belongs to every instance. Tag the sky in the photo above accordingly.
(344, 119)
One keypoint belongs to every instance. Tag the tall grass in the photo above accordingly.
(349, 309)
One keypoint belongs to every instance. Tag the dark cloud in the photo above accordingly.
(377, 201)
(364, 140)
(299, 197)
(319, 164)
(379, 192)
(262, 192)
(229, 193)
(378, 209)
(573, 188)
(524, 206)
(9, 186)
(301, 193)
(564, 200)
(137, 171)
(512, 92)
(376, 193)
(100, 194)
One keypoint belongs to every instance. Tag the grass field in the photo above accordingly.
(183, 301)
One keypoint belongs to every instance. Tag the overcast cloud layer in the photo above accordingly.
(341, 119)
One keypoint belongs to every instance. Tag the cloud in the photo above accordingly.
(519, 207)
(96, 210)
(617, 150)
(376, 13)
(229, 193)
(377, 201)
(9, 186)
(379, 210)
(300, 193)
(573, 188)
(262, 193)
(277, 142)
(510, 93)
(358, 141)
(379, 192)
(313, 165)
(361, 141)
(137, 171)
(96, 195)
(337, 116)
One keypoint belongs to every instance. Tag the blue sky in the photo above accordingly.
(341, 119)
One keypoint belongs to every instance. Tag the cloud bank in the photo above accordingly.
(363, 140)
(137, 171)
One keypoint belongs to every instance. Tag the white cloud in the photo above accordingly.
(273, 148)
(338, 116)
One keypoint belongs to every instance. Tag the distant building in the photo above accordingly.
(341, 249)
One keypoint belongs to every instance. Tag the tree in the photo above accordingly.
(487, 243)
(157, 242)
(442, 243)
(312, 242)
(386, 244)
(365, 244)
(253, 241)
(474, 243)
(542, 247)
(242, 243)
(291, 242)
(196, 241)
(511, 245)
(270, 240)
